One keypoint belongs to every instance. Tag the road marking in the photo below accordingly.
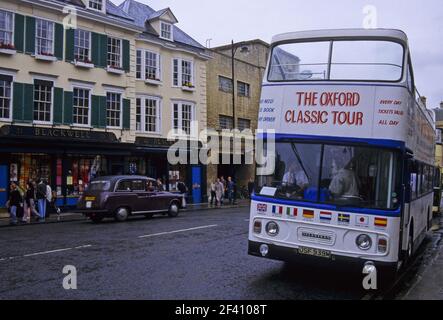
(177, 231)
(247, 220)
(46, 252)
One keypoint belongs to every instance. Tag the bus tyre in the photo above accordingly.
(173, 210)
(409, 250)
(121, 214)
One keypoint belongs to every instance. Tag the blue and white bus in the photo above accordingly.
(354, 172)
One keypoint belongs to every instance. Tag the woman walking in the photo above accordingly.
(29, 203)
(219, 190)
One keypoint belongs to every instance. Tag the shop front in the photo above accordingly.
(152, 153)
(66, 159)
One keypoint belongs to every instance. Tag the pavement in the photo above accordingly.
(428, 282)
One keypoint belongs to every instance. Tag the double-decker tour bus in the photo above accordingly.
(354, 172)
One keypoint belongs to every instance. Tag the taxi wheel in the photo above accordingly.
(121, 214)
(173, 210)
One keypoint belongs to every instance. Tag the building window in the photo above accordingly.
(226, 122)
(183, 73)
(183, 115)
(148, 114)
(96, 4)
(224, 84)
(82, 46)
(152, 66)
(6, 30)
(139, 65)
(43, 101)
(114, 53)
(44, 39)
(113, 109)
(243, 124)
(81, 106)
(166, 30)
(243, 89)
(5, 97)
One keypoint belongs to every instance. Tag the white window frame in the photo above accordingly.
(52, 101)
(120, 92)
(90, 45)
(144, 53)
(103, 4)
(13, 27)
(158, 125)
(180, 117)
(171, 26)
(180, 72)
(36, 37)
(121, 53)
(82, 87)
(247, 89)
(11, 102)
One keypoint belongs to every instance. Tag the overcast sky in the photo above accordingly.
(238, 20)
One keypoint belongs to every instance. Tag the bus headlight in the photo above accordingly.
(364, 242)
(272, 229)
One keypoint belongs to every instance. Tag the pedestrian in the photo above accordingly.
(213, 193)
(160, 185)
(219, 189)
(29, 209)
(15, 203)
(49, 199)
(41, 200)
(230, 186)
(223, 182)
(183, 189)
(251, 185)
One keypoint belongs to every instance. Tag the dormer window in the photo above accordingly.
(166, 31)
(96, 5)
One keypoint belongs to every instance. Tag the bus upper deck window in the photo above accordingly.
(300, 61)
(366, 60)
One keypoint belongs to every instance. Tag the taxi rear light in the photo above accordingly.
(382, 245)
(257, 226)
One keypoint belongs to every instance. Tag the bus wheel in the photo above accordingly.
(410, 249)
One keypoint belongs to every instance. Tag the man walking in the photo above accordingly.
(41, 200)
(15, 202)
(231, 189)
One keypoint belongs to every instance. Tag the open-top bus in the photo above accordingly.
(353, 174)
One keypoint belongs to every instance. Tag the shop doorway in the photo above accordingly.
(3, 185)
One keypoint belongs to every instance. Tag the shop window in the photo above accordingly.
(30, 167)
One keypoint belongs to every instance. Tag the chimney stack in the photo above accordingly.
(441, 105)
(423, 100)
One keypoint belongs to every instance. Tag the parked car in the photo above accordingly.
(122, 196)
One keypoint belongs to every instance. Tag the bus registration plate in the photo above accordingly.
(314, 252)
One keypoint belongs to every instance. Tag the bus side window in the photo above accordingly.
(413, 179)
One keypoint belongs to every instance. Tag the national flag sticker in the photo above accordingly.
(325, 216)
(381, 222)
(291, 212)
(362, 221)
(262, 207)
(308, 214)
(277, 210)
(344, 218)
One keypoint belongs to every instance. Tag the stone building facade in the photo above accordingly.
(250, 64)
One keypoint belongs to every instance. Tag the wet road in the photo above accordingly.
(199, 255)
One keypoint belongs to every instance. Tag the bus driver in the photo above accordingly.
(295, 177)
(344, 182)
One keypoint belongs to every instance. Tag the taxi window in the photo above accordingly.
(124, 185)
(139, 185)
